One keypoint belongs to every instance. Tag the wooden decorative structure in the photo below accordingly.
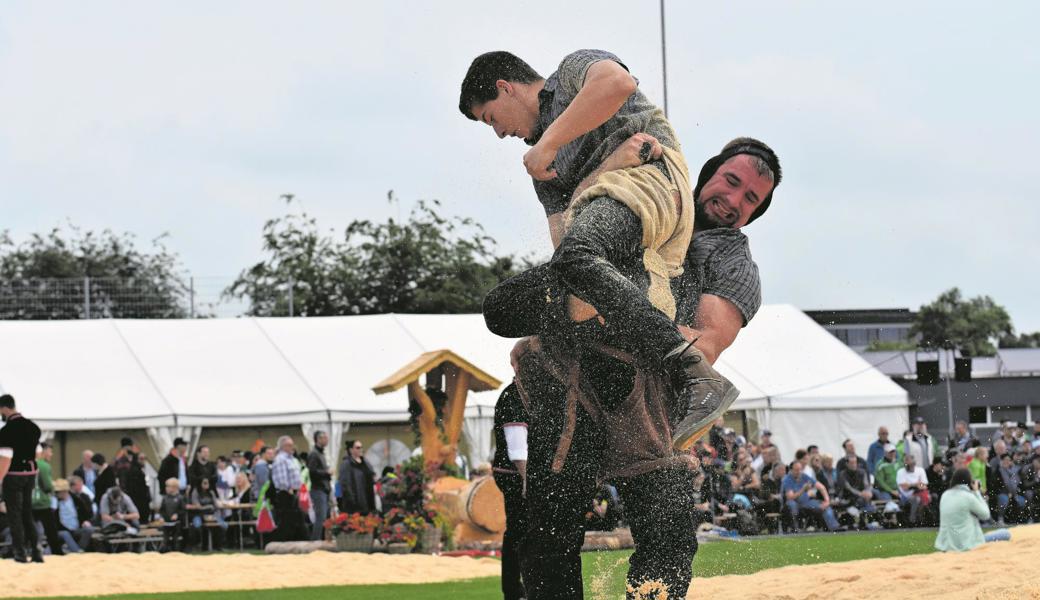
(448, 373)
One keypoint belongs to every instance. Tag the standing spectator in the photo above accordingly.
(920, 443)
(822, 473)
(877, 450)
(962, 439)
(123, 460)
(978, 467)
(173, 512)
(765, 440)
(854, 488)
(201, 468)
(86, 471)
(509, 468)
(1036, 434)
(1010, 501)
(321, 483)
(286, 480)
(73, 515)
(136, 485)
(18, 440)
(262, 469)
(41, 498)
(238, 462)
(913, 488)
(850, 450)
(1030, 486)
(205, 508)
(356, 481)
(225, 478)
(886, 475)
(106, 478)
(117, 507)
(938, 479)
(174, 465)
(800, 491)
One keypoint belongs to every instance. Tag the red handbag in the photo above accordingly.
(305, 498)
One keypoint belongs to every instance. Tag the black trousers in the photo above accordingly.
(599, 261)
(289, 520)
(18, 499)
(516, 526)
(658, 505)
(50, 528)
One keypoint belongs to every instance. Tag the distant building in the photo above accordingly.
(858, 328)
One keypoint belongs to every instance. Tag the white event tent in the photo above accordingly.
(174, 377)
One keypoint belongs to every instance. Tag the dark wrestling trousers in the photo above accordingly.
(516, 527)
(658, 505)
(17, 497)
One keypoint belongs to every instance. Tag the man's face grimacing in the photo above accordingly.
(732, 194)
(508, 114)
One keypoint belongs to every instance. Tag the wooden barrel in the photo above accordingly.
(478, 503)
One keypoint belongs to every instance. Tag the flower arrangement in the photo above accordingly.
(353, 523)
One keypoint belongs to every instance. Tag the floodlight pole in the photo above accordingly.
(664, 62)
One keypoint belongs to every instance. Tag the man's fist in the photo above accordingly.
(538, 161)
(636, 150)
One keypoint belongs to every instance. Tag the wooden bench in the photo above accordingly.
(147, 538)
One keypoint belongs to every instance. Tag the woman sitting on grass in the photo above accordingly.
(961, 509)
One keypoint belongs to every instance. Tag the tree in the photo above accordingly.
(972, 325)
(426, 264)
(44, 277)
(1025, 340)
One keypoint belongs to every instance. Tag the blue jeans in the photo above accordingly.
(998, 535)
(196, 521)
(880, 495)
(320, 504)
(812, 506)
(70, 538)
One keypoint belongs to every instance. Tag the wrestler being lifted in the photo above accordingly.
(574, 120)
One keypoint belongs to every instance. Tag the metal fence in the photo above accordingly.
(110, 297)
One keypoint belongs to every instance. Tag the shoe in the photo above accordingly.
(37, 556)
(20, 558)
(701, 394)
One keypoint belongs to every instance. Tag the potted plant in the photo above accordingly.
(354, 532)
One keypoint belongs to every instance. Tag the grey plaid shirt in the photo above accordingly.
(285, 473)
(576, 160)
(719, 263)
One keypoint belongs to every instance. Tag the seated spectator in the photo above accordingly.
(801, 455)
(1030, 485)
(823, 467)
(78, 490)
(913, 489)
(800, 492)
(606, 510)
(961, 509)
(850, 450)
(978, 466)
(769, 499)
(885, 475)
(938, 479)
(172, 513)
(1010, 501)
(87, 471)
(73, 515)
(766, 459)
(854, 488)
(117, 509)
(204, 507)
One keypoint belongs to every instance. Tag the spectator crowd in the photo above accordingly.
(741, 485)
(201, 502)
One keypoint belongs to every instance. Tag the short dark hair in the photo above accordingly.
(478, 86)
(845, 444)
(800, 454)
(45, 445)
(349, 444)
(961, 477)
(7, 401)
(317, 434)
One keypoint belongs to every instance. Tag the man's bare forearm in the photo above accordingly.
(607, 86)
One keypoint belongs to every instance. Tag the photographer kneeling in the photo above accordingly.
(961, 508)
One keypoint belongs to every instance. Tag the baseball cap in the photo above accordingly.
(890, 448)
(918, 420)
(766, 432)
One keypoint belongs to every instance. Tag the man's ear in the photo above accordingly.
(504, 86)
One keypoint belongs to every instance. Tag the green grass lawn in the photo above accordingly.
(605, 571)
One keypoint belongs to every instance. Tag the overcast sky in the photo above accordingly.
(907, 131)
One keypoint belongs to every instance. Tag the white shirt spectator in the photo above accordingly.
(911, 478)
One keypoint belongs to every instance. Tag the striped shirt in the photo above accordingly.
(285, 473)
(576, 160)
(718, 263)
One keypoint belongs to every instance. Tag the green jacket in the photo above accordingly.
(978, 473)
(41, 498)
(960, 510)
(885, 477)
